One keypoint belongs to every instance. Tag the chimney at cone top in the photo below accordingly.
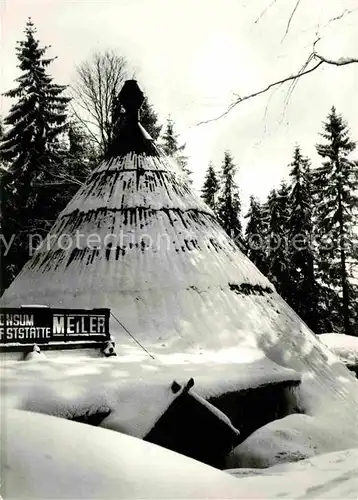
(128, 134)
(131, 98)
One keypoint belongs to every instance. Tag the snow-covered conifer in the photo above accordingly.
(29, 146)
(300, 233)
(229, 203)
(336, 185)
(210, 187)
(171, 147)
(255, 235)
(278, 253)
(149, 119)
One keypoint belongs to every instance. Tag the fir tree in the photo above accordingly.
(39, 115)
(284, 204)
(336, 185)
(170, 138)
(229, 204)
(72, 162)
(255, 235)
(171, 147)
(210, 187)
(300, 232)
(149, 119)
(29, 147)
(278, 257)
(2, 133)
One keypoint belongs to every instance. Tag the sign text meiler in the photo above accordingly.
(45, 325)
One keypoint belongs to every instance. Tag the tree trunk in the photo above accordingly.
(344, 277)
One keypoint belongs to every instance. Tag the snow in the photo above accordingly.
(183, 290)
(344, 346)
(49, 458)
(35, 354)
(354, 266)
(333, 475)
(174, 196)
(135, 389)
(294, 438)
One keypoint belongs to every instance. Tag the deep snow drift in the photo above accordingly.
(291, 439)
(135, 388)
(48, 458)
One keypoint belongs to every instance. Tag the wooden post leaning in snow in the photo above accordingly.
(195, 428)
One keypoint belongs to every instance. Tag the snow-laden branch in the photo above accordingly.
(342, 61)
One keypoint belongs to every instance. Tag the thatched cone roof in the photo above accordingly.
(136, 239)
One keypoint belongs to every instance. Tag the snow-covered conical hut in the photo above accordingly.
(137, 240)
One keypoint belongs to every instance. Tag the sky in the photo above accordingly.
(192, 56)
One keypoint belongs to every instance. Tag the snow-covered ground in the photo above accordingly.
(135, 387)
(332, 475)
(344, 346)
(290, 439)
(45, 457)
(137, 391)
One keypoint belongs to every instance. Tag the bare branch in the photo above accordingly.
(294, 82)
(68, 182)
(305, 70)
(290, 19)
(85, 123)
(65, 178)
(60, 176)
(345, 13)
(264, 11)
(98, 82)
(264, 90)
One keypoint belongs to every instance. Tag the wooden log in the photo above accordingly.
(192, 427)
